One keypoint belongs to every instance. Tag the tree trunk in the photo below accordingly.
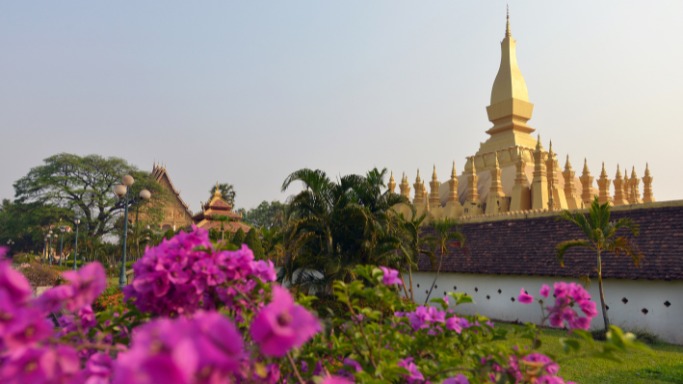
(436, 277)
(602, 294)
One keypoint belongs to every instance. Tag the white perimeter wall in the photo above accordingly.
(633, 304)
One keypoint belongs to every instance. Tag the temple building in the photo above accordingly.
(176, 213)
(217, 214)
(512, 172)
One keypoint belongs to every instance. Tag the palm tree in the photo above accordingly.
(601, 237)
(445, 231)
(335, 225)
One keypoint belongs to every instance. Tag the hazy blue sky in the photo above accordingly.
(247, 92)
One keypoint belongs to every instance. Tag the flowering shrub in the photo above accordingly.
(567, 297)
(197, 314)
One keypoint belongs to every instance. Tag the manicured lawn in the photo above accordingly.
(663, 364)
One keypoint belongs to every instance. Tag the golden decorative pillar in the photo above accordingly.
(392, 183)
(556, 197)
(453, 208)
(586, 185)
(647, 186)
(521, 194)
(494, 200)
(434, 199)
(539, 184)
(573, 201)
(635, 192)
(453, 186)
(418, 200)
(619, 198)
(603, 186)
(405, 187)
(472, 180)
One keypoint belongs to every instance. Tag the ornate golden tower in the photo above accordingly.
(510, 108)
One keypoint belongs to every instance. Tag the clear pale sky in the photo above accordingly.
(247, 92)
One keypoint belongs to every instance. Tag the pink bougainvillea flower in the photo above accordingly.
(282, 324)
(13, 282)
(545, 290)
(87, 283)
(414, 374)
(459, 379)
(178, 350)
(336, 380)
(390, 276)
(524, 297)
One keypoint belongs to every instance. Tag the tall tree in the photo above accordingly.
(335, 225)
(601, 236)
(253, 241)
(266, 215)
(25, 225)
(83, 185)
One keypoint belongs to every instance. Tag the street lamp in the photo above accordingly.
(123, 193)
(49, 248)
(77, 222)
(10, 243)
(62, 229)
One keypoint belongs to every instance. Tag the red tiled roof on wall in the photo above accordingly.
(527, 247)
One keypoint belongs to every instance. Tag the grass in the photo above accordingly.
(662, 364)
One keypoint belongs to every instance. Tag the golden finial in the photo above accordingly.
(538, 143)
(567, 164)
(453, 173)
(417, 179)
(507, 22)
(434, 178)
(217, 191)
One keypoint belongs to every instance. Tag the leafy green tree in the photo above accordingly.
(266, 215)
(601, 236)
(238, 238)
(26, 224)
(253, 241)
(226, 190)
(335, 225)
(83, 185)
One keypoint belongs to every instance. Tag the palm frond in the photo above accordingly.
(562, 247)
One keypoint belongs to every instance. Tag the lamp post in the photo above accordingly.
(10, 243)
(123, 193)
(49, 247)
(62, 229)
(77, 222)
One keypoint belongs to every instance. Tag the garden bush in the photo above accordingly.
(197, 314)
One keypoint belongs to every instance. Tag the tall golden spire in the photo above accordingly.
(510, 108)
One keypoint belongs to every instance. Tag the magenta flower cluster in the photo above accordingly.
(531, 368)
(30, 351)
(568, 296)
(206, 348)
(435, 320)
(186, 273)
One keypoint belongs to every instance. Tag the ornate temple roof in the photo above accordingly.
(160, 175)
(217, 214)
